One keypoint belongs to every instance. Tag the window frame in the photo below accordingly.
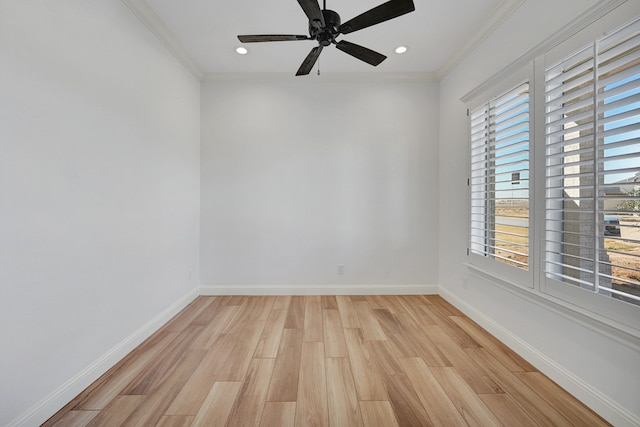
(612, 311)
(501, 270)
(603, 312)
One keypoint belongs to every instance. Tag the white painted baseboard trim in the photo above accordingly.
(327, 289)
(47, 407)
(590, 396)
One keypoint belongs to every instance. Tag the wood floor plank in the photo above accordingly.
(368, 381)
(473, 373)
(220, 323)
(295, 313)
(161, 367)
(404, 346)
(270, 339)
(347, 312)
(406, 404)
(195, 391)
(413, 307)
(248, 407)
(334, 343)
(206, 316)
(280, 414)
(404, 399)
(406, 320)
(246, 342)
(74, 419)
(117, 378)
(175, 421)
(468, 403)
(311, 408)
(341, 394)
(148, 412)
(388, 321)
(329, 302)
(574, 410)
(257, 307)
(117, 412)
(282, 302)
(395, 303)
(443, 320)
(183, 319)
(508, 411)
(432, 354)
(535, 406)
(506, 356)
(284, 382)
(377, 302)
(440, 408)
(217, 406)
(378, 414)
(445, 306)
(237, 300)
(385, 357)
(370, 327)
(313, 321)
(155, 404)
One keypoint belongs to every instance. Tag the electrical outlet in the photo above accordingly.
(340, 269)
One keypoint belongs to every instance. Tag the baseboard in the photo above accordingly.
(51, 404)
(590, 396)
(327, 289)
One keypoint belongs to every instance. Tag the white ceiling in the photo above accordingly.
(203, 34)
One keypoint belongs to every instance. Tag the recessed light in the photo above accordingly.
(401, 49)
(241, 50)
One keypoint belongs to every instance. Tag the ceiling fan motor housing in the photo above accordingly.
(327, 34)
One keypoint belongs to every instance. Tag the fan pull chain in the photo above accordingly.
(318, 66)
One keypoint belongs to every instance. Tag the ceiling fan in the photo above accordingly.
(325, 26)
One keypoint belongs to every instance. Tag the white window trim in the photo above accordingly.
(501, 270)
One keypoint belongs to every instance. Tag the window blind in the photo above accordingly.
(500, 178)
(593, 167)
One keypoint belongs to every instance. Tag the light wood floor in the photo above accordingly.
(325, 361)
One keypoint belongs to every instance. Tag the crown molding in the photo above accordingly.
(582, 21)
(152, 21)
(323, 78)
(500, 14)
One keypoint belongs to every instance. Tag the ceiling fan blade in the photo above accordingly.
(384, 12)
(313, 12)
(309, 61)
(257, 38)
(362, 53)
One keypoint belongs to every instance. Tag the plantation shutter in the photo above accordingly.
(500, 178)
(593, 166)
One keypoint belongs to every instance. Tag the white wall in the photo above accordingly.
(300, 175)
(99, 194)
(597, 365)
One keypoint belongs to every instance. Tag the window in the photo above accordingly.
(554, 176)
(593, 167)
(500, 178)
